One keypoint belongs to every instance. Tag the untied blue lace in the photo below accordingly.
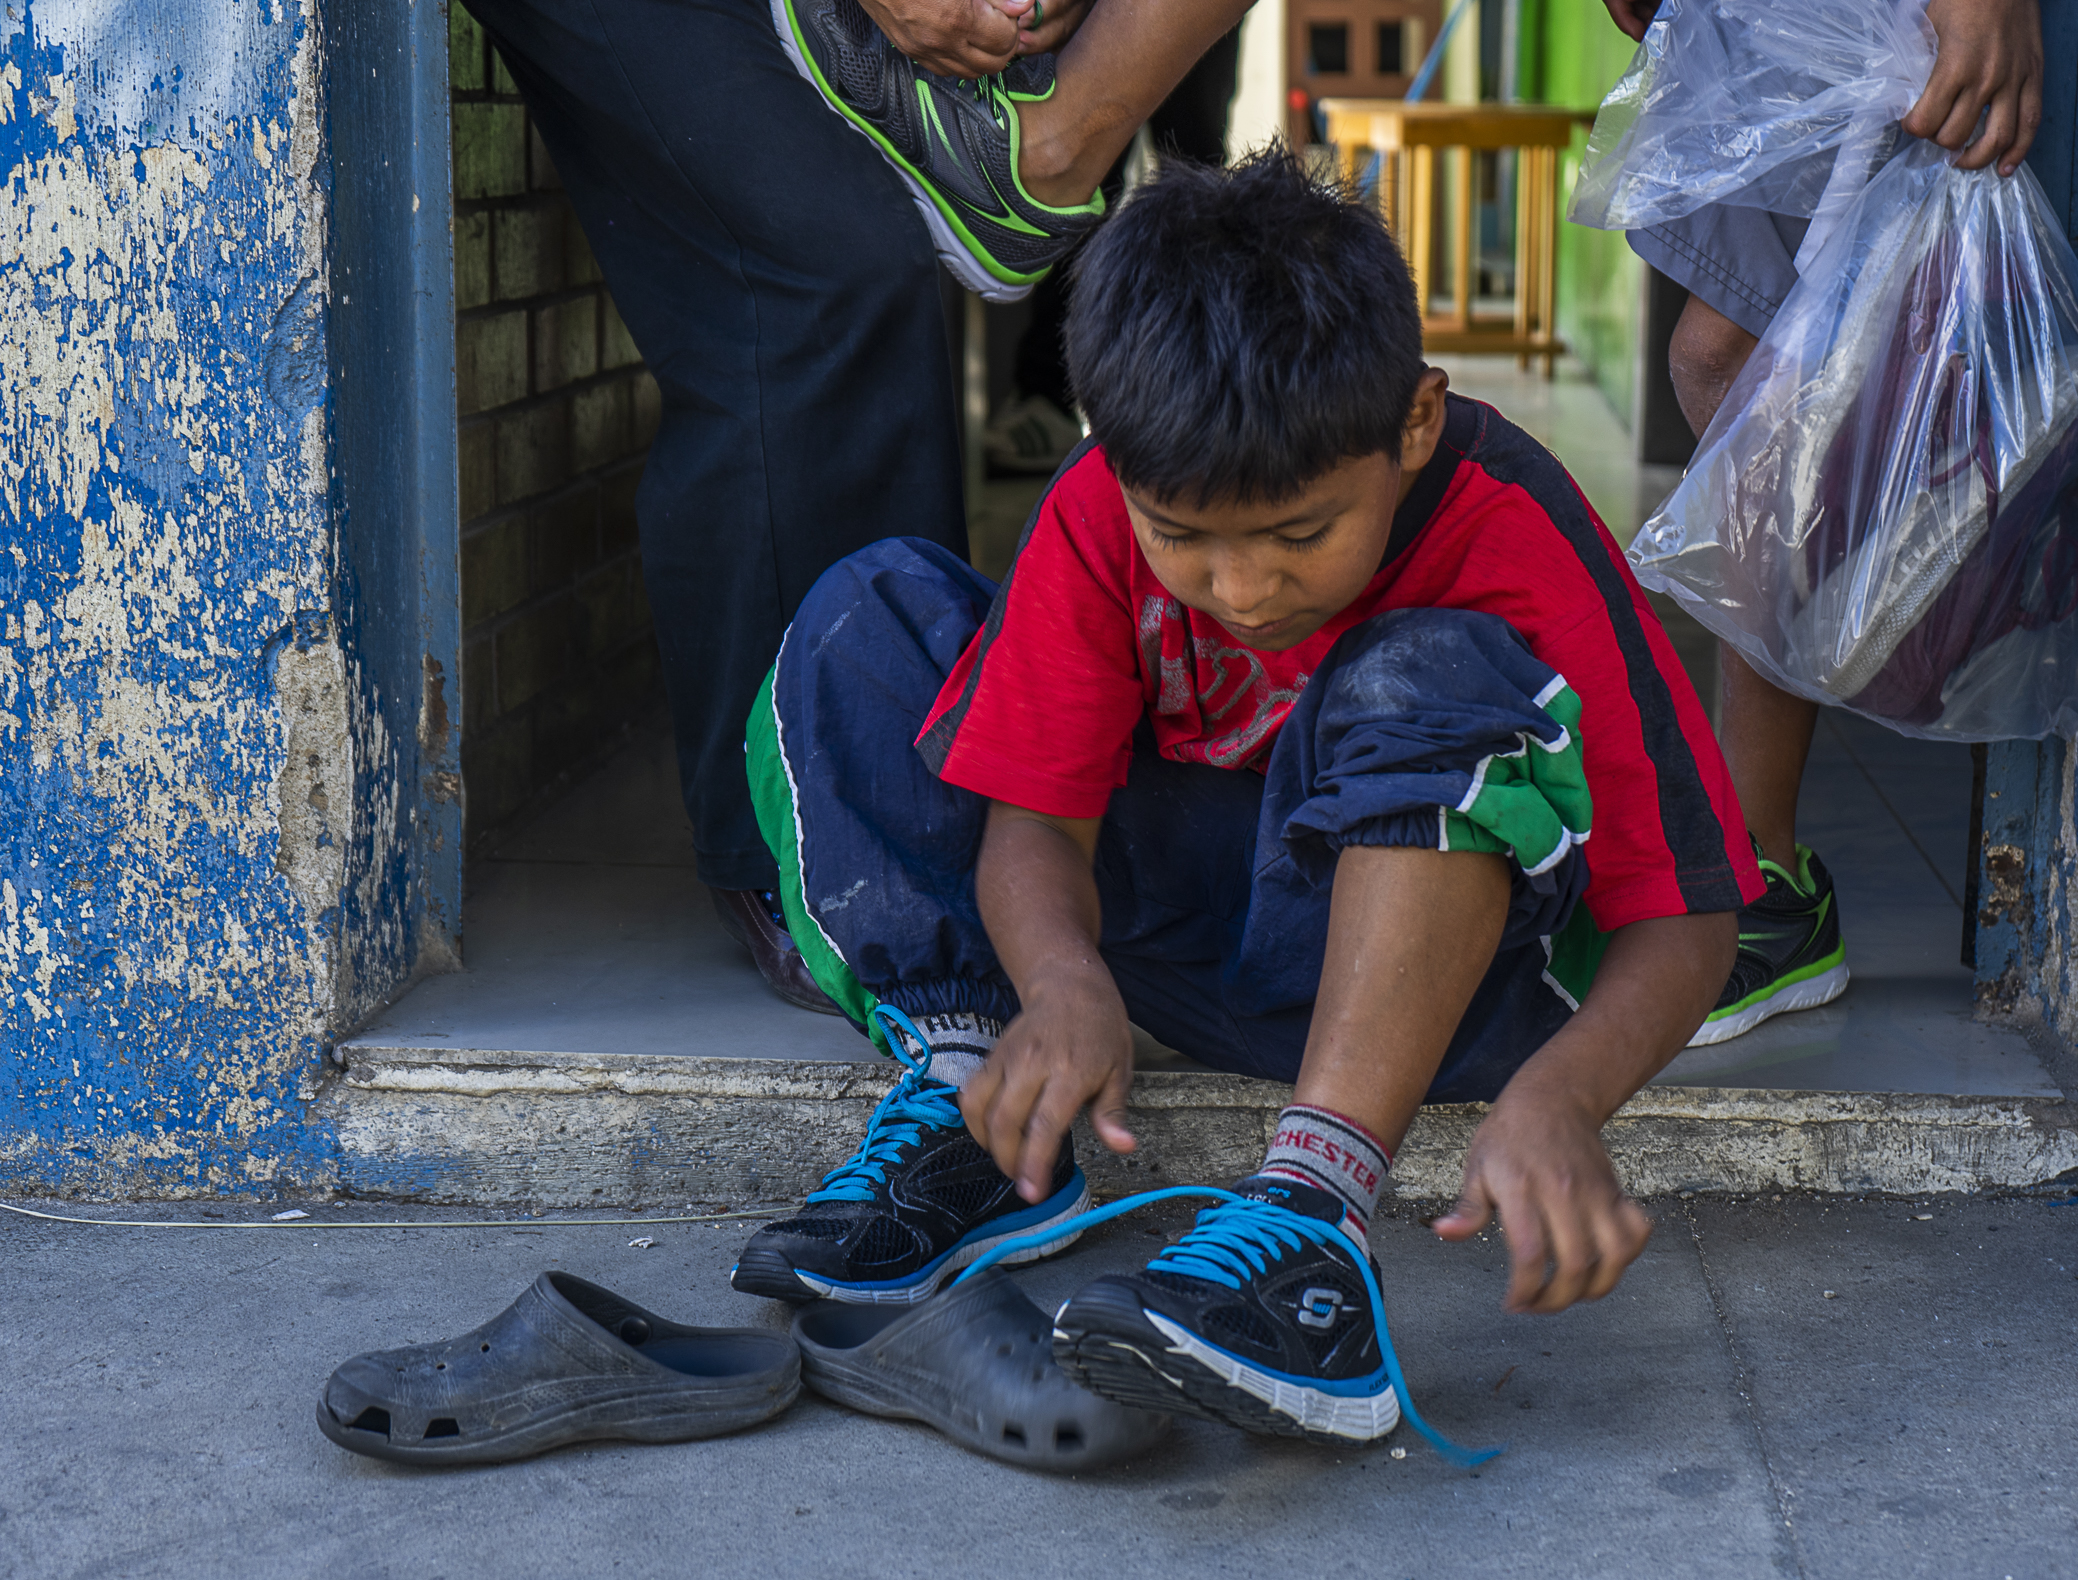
(1231, 1242)
(898, 1120)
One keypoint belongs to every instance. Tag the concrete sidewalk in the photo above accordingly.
(1720, 1415)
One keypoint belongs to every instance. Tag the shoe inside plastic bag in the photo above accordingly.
(1884, 512)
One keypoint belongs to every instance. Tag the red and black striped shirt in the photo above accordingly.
(1084, 642)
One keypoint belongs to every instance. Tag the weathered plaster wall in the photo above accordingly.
(2028, 861)
(2027, 884)
(202, 814)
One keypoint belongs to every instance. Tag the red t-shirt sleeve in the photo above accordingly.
(1040, 709)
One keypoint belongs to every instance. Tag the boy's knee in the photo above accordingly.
(1705, 355)
(900, 611)
(913, 557)
(905, 575)
(1409, 661)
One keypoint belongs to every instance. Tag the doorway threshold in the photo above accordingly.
(608, 1042)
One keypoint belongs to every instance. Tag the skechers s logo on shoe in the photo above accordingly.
(1318, 1308)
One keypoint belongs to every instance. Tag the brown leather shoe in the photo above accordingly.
(747, 914)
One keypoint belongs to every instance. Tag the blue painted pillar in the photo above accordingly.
(229, 813)
(2028, 872)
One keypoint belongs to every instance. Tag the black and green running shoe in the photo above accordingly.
(954, 142)
(1790, 953)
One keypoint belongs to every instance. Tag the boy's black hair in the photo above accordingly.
(1234, 334)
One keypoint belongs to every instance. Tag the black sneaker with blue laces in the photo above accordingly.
(1266, 1316)
(918, 1201)
(954, 143)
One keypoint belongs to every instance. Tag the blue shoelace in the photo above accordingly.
(898, 1121)
(1232, 1242)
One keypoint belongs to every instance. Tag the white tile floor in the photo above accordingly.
(588, 933)
(1890, 817)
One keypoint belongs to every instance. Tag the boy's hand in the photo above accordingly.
(1990, 56)
(955, 38)
(1070, 1046)
(1571, 1231)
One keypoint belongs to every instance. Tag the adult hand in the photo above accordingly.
(1632, 16)
(1071, 1046)
(1990, 56)
(1571, 1230)
(955, 38)
(1045, 26)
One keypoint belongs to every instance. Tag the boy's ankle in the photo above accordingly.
(1333, 1153)
(960, 1044)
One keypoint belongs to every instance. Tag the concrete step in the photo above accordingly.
(558, 1130)
(593, 1051)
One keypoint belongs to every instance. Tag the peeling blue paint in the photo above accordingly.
(2028, 860)
(214, 836)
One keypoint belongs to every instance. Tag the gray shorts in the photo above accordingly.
(1738, 260)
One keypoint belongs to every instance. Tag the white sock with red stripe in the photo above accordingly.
(1330, 1152)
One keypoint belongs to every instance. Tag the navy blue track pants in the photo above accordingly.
(1214, 882)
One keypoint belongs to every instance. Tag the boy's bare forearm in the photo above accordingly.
(1537, 1159)
(1070, 1043)
(1657, 981)
(1038, 896)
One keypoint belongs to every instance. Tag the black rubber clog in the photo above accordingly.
(976, 1362)
(567, 1362)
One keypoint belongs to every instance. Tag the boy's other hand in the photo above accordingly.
(1632, 16)
(1070, 1046)
(1990, 56)
(1571, 1230)
(955, 38)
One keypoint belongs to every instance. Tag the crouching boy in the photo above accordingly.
(1284, 739)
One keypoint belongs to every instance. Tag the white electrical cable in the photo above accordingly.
(314, 1222)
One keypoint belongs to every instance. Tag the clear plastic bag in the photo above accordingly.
(1884, 513)
(1749, 102)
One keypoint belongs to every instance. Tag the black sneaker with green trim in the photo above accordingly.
(1790, 953)
(955, 143)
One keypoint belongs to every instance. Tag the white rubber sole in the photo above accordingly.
(954, 253)
(1340, 1415)
(910, 1294)
(1807, 994)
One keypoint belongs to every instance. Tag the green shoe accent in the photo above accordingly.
(1789, 979)
(1801, 880)
(1791, 954)
(956, 144)
(1014, 124)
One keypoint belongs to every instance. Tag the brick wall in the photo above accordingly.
(556, 413)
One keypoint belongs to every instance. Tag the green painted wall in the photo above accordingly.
(1572, 55)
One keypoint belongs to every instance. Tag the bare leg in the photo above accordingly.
(1765, 731)
(1410, 934)
(1766, 735)
(1122, 62)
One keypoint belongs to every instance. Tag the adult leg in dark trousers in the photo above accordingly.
(772, 270)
